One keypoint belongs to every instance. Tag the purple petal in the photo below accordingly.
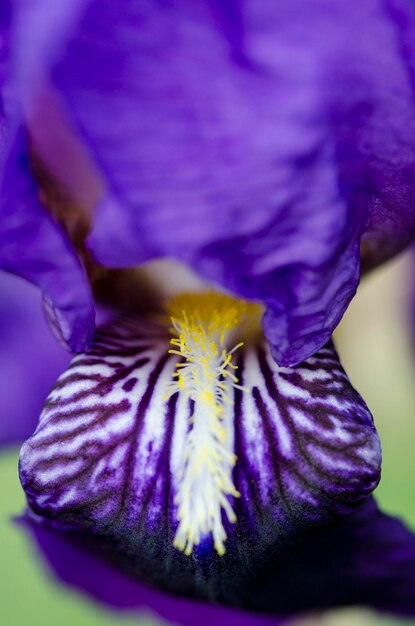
(109, 452)
(33, 246)
(30, 359)
(391, 218)
(49, 25)
(367, 559)
(80, 564)
(60, 150)
(253, 132)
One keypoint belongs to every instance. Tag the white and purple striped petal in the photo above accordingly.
(109, 452)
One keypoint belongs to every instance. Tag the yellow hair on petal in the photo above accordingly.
(206, 329)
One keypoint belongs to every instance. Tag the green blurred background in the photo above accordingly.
(374, 344)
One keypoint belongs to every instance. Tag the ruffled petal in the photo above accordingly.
(366, 559)
(34, 247)
(110, 457)
(249, 140)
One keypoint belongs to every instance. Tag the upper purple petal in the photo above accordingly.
(33, 246)
(252, 141)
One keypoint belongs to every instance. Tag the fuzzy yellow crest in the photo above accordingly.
(207, 330)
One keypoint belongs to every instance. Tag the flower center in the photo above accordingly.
(207, 329)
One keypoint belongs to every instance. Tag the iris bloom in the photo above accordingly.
(191, 439)
(255, 144)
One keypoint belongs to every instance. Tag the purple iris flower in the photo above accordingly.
(269, 146)
(367, 558)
